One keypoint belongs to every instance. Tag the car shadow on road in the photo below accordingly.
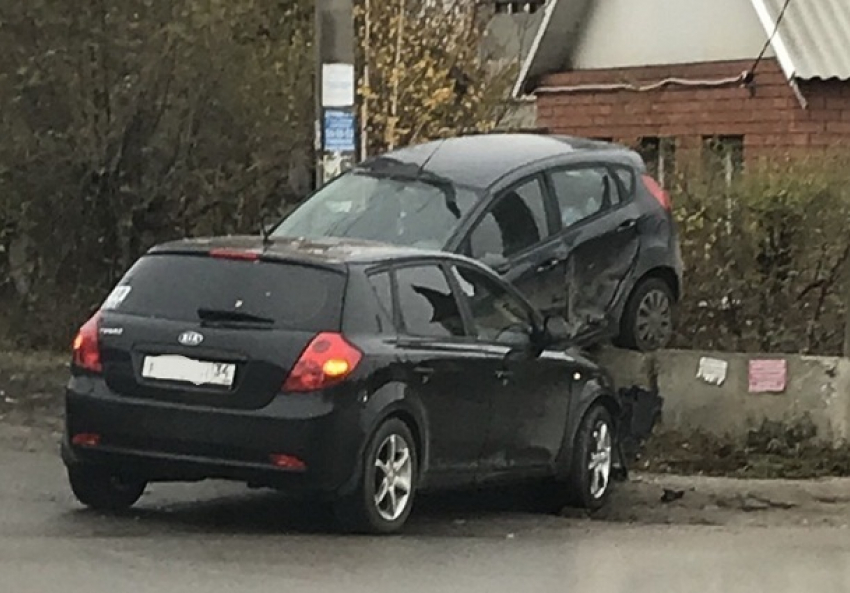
(270, 513)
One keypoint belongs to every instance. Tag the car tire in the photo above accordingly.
(647, 322)
(383, 498)
(592, 469)
(102, 491)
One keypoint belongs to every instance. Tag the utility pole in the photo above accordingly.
(336, 89)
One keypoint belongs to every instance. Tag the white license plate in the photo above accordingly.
(186, 370)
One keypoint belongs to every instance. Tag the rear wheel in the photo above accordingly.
(383, 498)
(102, 491)
(647, 322)
(593, 460)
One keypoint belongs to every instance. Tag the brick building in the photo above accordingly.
(668, 75)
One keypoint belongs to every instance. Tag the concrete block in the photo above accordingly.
(818, 391)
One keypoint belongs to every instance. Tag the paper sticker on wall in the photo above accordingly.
(339, 131)
(768, 376)
(712, 370)
(116, 297)
(338, 86)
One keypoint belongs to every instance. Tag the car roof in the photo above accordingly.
(480, 160)
(333, 252)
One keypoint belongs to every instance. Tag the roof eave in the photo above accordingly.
(518, 91)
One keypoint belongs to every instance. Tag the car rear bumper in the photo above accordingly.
(159, 441)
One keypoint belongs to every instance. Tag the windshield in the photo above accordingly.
(358, 205)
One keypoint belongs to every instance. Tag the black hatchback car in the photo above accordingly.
(577, 225)
(352, 373)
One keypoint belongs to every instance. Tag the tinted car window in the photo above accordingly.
(584, 192)
(493, 308)
(397, 211)
(177, 286)
(428, 306)
(516, 222)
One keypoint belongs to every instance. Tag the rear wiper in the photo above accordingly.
(410, 172)
(225, 316)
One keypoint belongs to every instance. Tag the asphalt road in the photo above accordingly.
(221, 537)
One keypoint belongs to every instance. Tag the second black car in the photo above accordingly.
(577, 225)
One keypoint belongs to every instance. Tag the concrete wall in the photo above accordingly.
(768, 115)
(818, 387)
(618, 33)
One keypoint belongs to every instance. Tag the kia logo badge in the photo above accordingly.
(190, 338)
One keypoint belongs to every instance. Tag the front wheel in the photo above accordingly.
(383, 498)
(102, 491)
(593, 460)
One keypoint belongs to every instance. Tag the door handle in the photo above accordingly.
(627, 225)
(549, 264)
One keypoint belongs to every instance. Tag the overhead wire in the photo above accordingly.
(770, 39)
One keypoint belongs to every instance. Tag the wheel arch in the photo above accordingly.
(664, 273)
(409, 420)
(393, 400)
(594, 394)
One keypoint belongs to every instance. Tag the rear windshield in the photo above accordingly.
(176, 287)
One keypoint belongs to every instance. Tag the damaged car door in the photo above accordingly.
(531, 400)
(600, 221)
(518, 236)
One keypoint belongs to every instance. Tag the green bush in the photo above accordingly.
(765, 257)
(129, 123)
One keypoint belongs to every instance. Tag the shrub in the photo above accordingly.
(765, 257)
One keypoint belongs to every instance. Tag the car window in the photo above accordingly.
(583, 192)
(397, 211)
(428, 305)
(627, 179)
(494, 310)
(516, 222)
(177, 287)
(382, 286)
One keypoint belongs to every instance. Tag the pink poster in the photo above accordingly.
(768, 376)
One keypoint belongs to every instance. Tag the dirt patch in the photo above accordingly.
(700, 500)
(774, 450)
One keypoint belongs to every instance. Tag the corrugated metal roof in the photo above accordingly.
(813, 40)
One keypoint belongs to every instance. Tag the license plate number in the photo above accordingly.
(187, 370)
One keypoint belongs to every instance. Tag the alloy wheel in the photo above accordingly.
(599, 464)
(393, 477)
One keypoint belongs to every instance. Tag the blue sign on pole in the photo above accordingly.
(339, 132)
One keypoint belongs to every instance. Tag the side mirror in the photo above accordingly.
(556, 330)
(520, 342)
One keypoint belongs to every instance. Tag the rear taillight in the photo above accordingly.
(328, 359)
(86, 346)
(86, 439)
(658, 192)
